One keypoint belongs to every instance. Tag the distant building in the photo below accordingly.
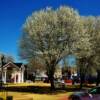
(12, 72)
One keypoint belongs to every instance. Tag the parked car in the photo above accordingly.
(92, 94)
(59, 83)
(46, 80)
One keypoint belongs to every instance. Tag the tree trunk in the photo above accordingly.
(52, 82)
(51, 78)
(98, 78)
(82, 79)
(50, 72)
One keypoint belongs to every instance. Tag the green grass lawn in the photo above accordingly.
(33, 91)
(33, 96)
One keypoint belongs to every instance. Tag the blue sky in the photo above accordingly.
(13, 14)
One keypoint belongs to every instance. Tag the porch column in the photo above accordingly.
(15, 78)
(5, 76)
(19, 77)
(22, 76)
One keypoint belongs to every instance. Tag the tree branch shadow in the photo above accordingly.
(40, 89)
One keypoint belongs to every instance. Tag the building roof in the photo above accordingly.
(18, 65)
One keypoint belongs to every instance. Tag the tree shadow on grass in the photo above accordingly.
(41, 90)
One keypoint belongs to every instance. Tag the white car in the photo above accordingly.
(59, 83)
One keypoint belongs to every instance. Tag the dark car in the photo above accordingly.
(92, 94)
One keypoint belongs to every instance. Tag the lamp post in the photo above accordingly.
(2, 81)
(2, 63)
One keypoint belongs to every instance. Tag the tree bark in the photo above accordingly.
(82, 80)
(50, 71)
(98, 78)
(51, 77)
(52, 83)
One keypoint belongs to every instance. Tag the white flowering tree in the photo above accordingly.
(50, 35)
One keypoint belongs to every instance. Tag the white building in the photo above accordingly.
(12, 72)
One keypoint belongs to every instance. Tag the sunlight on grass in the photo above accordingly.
(41, 84)
(33, 96)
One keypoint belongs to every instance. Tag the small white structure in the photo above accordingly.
(58, 73)
(12, 72)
